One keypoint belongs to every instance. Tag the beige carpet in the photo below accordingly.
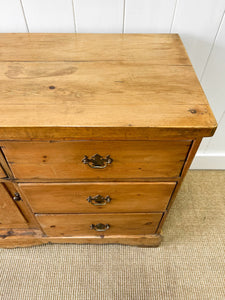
(189, 264)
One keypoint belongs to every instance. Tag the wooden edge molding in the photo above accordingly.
(102, 133)
(13, 238)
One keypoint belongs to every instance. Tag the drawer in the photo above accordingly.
(108, 224)
(97, 197)
(78, 160)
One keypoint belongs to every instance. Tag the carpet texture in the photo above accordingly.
(189, 264)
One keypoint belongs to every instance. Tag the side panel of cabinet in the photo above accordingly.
(9, 212)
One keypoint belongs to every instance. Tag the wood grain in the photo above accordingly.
(101, 133)
(72, 198)
(4, 167)
(74, 94)
(147, 240)
(23, 207)
(131, 159)
(156, 49)
(85, 83)
(9, 213)
(98, 83)
(26, 238)
(14, 237)
(2, 172)
(79, 225)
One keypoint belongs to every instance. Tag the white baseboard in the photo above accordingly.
(209, 162)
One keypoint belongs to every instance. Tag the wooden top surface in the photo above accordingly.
(108, 83)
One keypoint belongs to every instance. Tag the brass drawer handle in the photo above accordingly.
(99, 200)
(100, 227)
(97, 161)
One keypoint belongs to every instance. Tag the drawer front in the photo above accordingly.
(109, 224)
(78, 160)
(97, 197)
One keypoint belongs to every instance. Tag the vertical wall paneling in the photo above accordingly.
(213, 82)
(217, 144)
(49, 15)
(214, 158)
(148, 16)
(197, 22)
(203, 146)
(99, 16)
(11, 16)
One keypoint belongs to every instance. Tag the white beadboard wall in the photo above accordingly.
(200, 23)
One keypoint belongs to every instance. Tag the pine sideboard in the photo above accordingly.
(97, 132)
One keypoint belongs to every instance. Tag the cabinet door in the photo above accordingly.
(9, 212)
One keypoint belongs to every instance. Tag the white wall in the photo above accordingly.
(201, 24)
